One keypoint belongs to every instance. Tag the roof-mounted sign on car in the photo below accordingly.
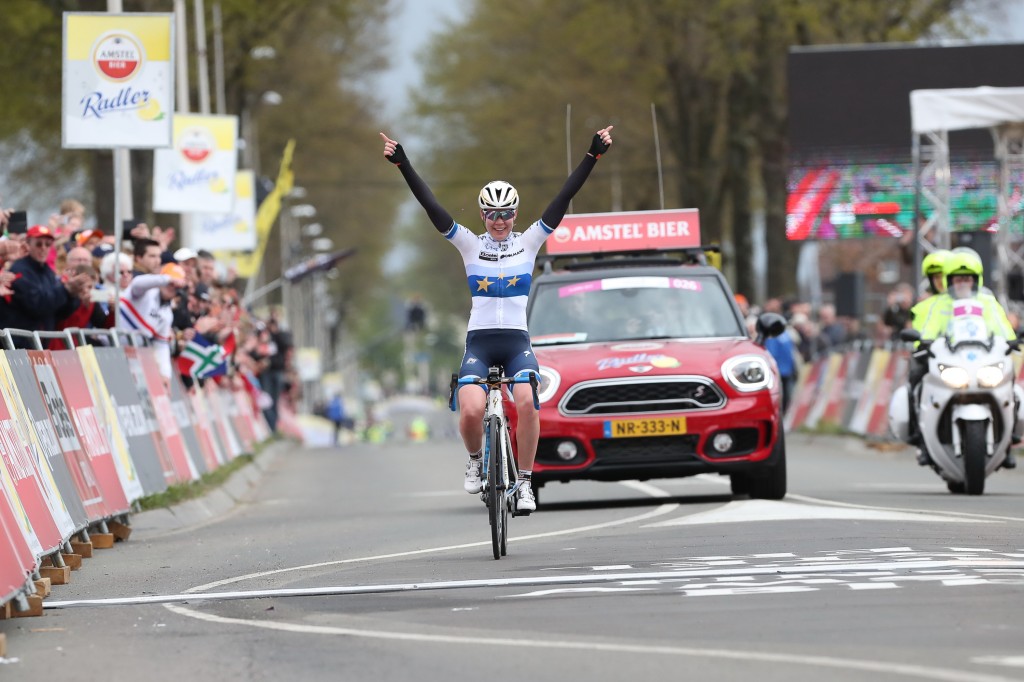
(587, 233)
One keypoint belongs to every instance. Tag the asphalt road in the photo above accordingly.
(869, 570)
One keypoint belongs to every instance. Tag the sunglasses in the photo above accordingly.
(500, 215)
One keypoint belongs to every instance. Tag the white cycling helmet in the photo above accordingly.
(498, 194)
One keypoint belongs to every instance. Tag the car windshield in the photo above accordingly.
(631, 307)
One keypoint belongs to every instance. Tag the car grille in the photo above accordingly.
(652, 450)
(652, 395)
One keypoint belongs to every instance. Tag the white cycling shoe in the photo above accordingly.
(473, 484)
(525, 501)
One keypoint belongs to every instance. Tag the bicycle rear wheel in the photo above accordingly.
(496, 509)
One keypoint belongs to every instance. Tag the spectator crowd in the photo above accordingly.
(62, 275)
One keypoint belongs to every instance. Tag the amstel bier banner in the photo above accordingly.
(197, 174)
(234, 231)
(118, 80)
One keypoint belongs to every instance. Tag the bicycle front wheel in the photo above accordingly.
(496, 486)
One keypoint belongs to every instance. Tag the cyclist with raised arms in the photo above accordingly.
(499, 269)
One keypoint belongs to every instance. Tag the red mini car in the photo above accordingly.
(648, 372)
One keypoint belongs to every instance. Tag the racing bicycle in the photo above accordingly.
(499, 472)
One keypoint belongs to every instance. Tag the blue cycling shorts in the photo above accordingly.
(508, 348)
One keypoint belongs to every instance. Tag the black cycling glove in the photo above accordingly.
(399, 156)
(597, 147)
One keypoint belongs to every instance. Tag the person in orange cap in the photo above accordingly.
(89, 239)
(146, 308)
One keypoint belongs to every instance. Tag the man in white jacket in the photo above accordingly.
(146, 308)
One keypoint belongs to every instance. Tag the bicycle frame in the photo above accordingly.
(499, 470)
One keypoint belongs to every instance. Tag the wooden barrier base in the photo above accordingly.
(102, 540)
(5, 614)
(3, 645)
(57, 576)
(119, 530)
(73, 561)
(84, 549)
(43, 587)
(35, 607)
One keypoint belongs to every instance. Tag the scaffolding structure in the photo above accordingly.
(933, 114)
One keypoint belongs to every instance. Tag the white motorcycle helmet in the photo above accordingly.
(498, 194)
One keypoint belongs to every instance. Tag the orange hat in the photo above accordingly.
(741, 299)
(40, 231)
(174, 270)
(85, 235)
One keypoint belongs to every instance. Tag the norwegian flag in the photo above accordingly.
(202, 359)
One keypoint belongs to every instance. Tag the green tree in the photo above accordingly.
(498, 83)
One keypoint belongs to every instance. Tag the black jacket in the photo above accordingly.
(39, 299)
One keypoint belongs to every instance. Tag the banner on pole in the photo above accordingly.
(197, 174)
(236, 230)
(118, 85)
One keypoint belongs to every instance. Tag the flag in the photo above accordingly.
(201, 358)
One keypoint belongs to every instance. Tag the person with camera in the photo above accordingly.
(39, 298)
(146, 308)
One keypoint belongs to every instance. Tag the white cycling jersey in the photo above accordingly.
(499, 274)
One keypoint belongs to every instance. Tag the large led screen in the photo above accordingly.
(850, 170)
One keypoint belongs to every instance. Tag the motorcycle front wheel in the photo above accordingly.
(975, 453)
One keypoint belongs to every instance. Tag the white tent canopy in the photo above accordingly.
(965, 108)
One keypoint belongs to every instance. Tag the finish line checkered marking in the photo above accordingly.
(885, 568)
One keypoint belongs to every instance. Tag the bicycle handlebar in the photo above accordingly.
(492, 380)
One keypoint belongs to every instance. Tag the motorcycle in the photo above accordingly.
(969, 406)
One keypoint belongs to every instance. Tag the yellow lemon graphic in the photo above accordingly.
(218, 186)
(241, 226)
(150, 111)
(664, 362)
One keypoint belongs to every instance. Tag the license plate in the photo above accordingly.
(634, 428)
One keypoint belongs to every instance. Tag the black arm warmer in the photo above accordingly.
(555, 211)
(441, 219)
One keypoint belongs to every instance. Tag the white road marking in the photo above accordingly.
(745, 511)
(1012, 661)
(882, 667)
(771, 570)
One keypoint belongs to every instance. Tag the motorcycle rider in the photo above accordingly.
(935, 279)
(964, 277)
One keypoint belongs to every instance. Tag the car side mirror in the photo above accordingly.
(770, 325)
(910, 335)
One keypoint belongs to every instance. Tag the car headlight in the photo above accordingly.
(549, 381)
(954, 377)
(747, 373)
(991, 376)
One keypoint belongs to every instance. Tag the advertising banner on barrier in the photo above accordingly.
(183, 459)
(16, 559)
(53, 468)
(22, 489)
(866, 401)
(203, 457)
(79, 466)
(234, 231)
(154, 473)
(806, 392)
(89, 427)
(106, 411)
(895, 373)
(118, 82)
(197, 173)
(180, 466)
(242, 414)
(221, 420)
(204, 416)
